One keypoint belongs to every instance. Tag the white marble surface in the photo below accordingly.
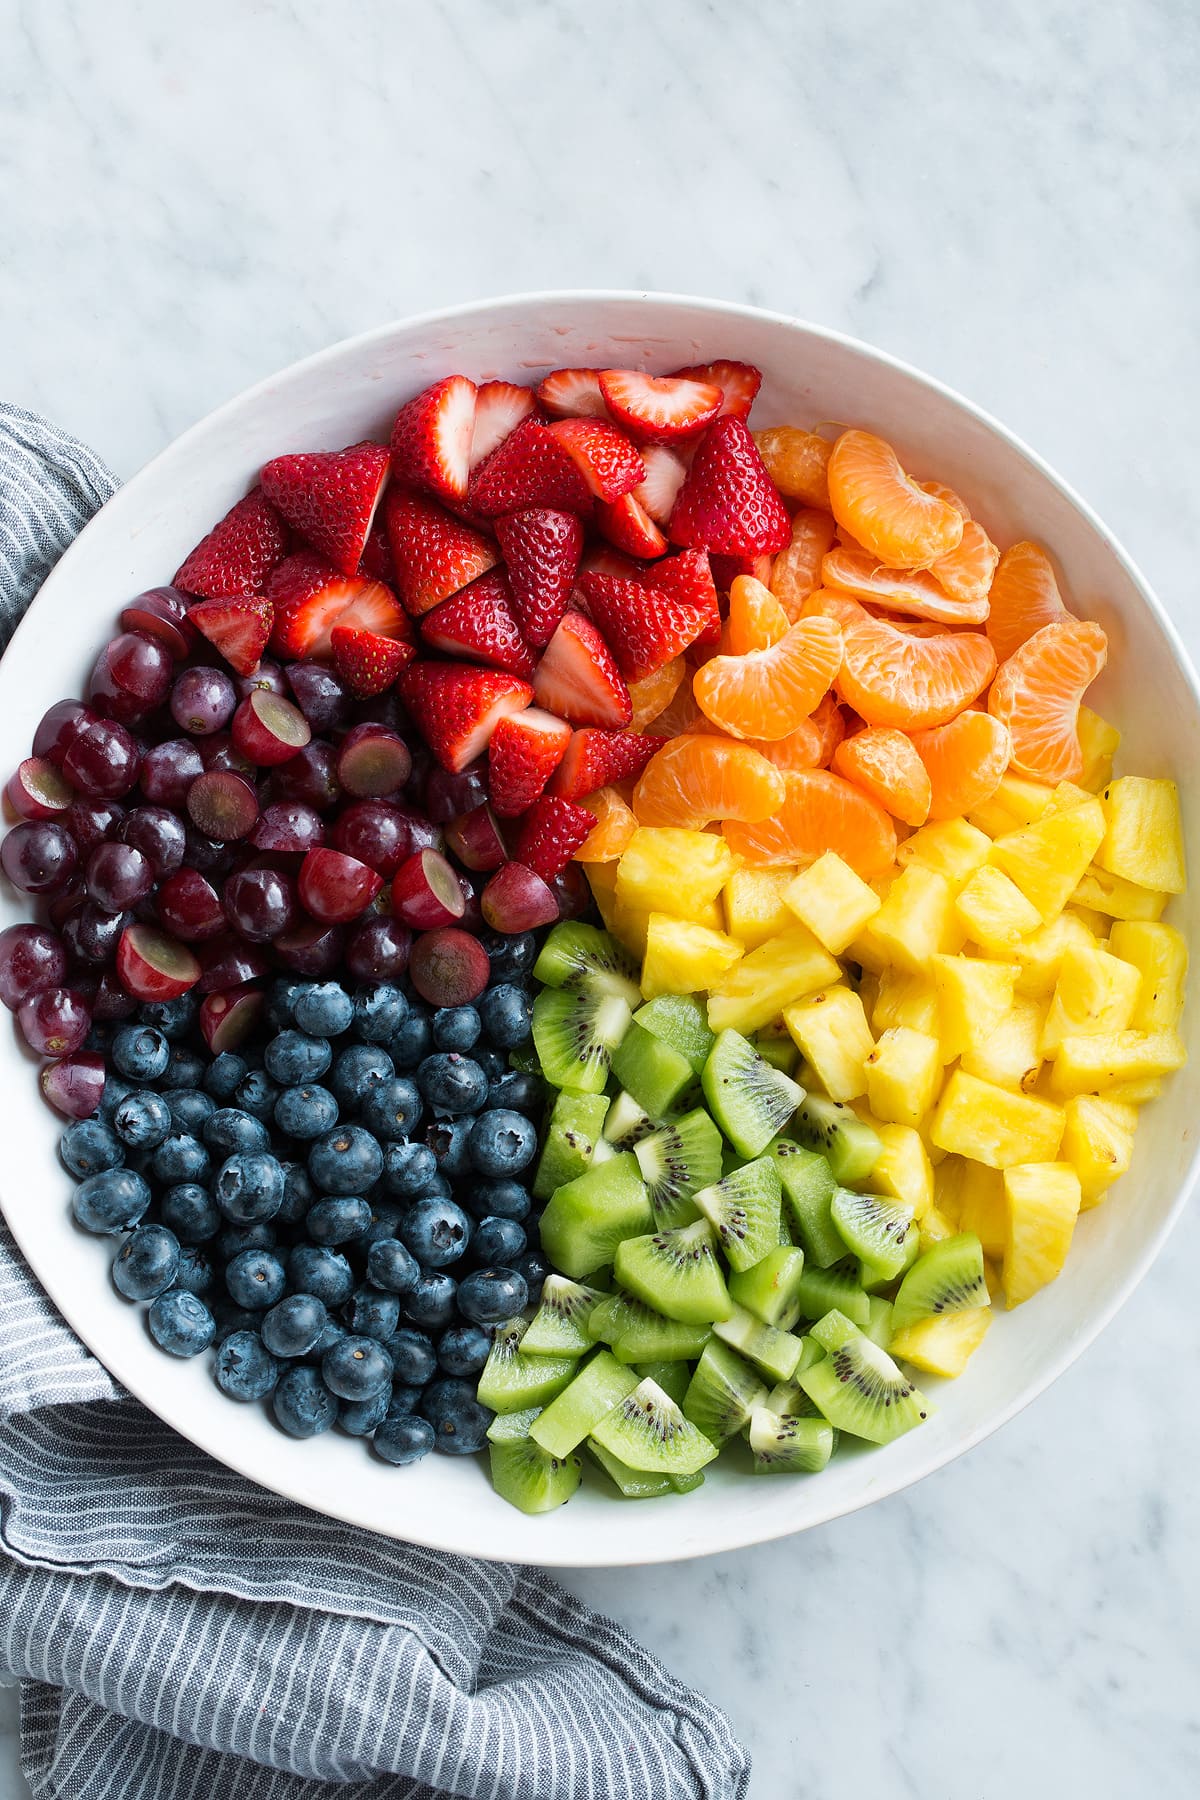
(1003, 191)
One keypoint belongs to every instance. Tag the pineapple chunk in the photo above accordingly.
(949, 1178)
(666, 869)
(1048, 858)
(1144, 839)
(1099, 742)
(627, 923)
(973, 997)
(1015, 803)
(832, 900)
(1134, 1093)
(1095, 922)
(904, 1073)
(1098, 1143)
(754, 905)
(909, 1000)
(994, 912)
(1009, 1056)
(1095, 993)
(934, 1228)
(1040, 955)
(943, 1344)
(1090, 1065)
(1065, 795)
(682, 958)
(832, 1033)
(916, 921)
(950, 847)
(903, 1169)
(982, 1208)
(977, 1119)
(1118, 898)
(1160, 954)
(758, 988)
(1043, 1204)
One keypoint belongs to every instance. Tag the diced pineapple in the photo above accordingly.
(667, 869)
(1099, 742)
(1098, 1143)
(683, 958)
(994, 912)
(917, 920)
(1015, 803)
(754, 905)
(758, 988)
(1091, 1065)
(627, 923)
(934, 1228)
(973, 997)
(1009, 1055)
(993, 1126)
(1134, 1093)
(1116, 897)
(832, 1033)
(944, 1343)
(903, 1169)
(1160, 955)
(1048, 858)
(868, 990)
(1095, 922)
(904, 1073)
(1095, 993)
(982, 1207)
(950, 847)
(1040, 956)
(1144, 839)
(948, 1181)
(832, 900)
(1065, 795)
(1043, 1204)
(909, 1000)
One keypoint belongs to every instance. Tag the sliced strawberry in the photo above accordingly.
(627, 524)
(525, 750)
(238, 554)
(431, 438)
(688, 576)
(376, 560)
(500, 407)
(739, 383)
(578, 677)
(573, 394)
(664, 477)
(645, 627)
(601, 560)
(529, 469)
(654, 409)
(310, 598)
(330, 497)
(456, 707)
(366, 662)
(237, 628)
(433, 553)
(728, 502)
(726, 569)
(604, 456)
(594, 758)
(478, 624)
(550, 834)
(541, 549)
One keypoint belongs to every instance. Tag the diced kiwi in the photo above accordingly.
(571, 1135)
(653, 1072)
(876, 1229)
(879, 1327)
(559, 1326)
(780, 1052)
(587, 1218)
(743, 1208)
(788, 1443)
(637, 1333)
(512, 1381)
(723, 1392)
(820, 1291)
(681, 1021)
(529, 1478)
(505, 1427)
(575, 1035)
(788, 1397)
(672, 1377)
(750, 1100)
(776, 1353)
(681, 1156)
(948, 1277)
(847, 1143)
(626, 1123)
(599, 1385)
(584, 959)
(632, 1484)
(676, 1272)
(857, 1386)
(647, 1430)
(808, 1188)
(685, 1484)
(525, 1060)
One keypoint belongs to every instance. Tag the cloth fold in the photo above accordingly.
(179, 1632)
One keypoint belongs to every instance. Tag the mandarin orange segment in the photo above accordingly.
(797, 569)
(965, 760)
(767, 693)
(966, 574)
(695, 780)
(819, 812)
(852, 570)
(883, 763)
(756, 619)
(1023, 597)
(654, 693)
(797, 462)
(681, 713)
(893, 519)
(1037, 692)
(942, 492)
(893, 677)
(614, 827)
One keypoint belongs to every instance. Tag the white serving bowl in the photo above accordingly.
(351, 391)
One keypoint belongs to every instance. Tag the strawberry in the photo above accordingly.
(431, 438)
(739, 383)
(688, 576)
(728, 502)
(478, 624)
(726, 569)
(529, 469)
(456, 707)
(525, 750)
(578, 678)
(550, 834)
(604, 456)
(655, 409)
(645, 627)
(238, 554)
(310, 598)
(627, 524)
(433, 553)
(330, 497)
(376, 560)
(594, 758)
(573, 394)
(601, 560)
(237, 628)
(664, 478)
(366, 662)
(541, 552)
(500, 407)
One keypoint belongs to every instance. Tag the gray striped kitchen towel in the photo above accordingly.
(179, 1632)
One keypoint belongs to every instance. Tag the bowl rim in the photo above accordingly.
(884, 1485)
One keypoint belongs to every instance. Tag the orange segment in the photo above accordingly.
(756, 619)
(1023, 597)
(615, 825)
(694, 780)
(813, 742)
(852, 570)
(682, 713)
(966, 574)
(883, 763)
(872, 498)
(797, 462)
(942, 492)
(654, 693)
(797, 569)
(766, 693)
(900, 678)
(965, 761)
(1037, 692)
(820, 812)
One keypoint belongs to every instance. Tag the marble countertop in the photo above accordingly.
(1004, 193)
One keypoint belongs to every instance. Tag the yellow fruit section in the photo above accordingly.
(903, 1074)
(684, 958)
(667, 869)
(943, 1344)
(1098, 1143)
(1048, 859)
(1159, 953)
(1043, 1200)
(830, 1030)
(832, 900)
(755, 905)
(1099, 742)
(788, 968)
(1143, 839)
(990, 1125)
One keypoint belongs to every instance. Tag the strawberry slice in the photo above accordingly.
(627, 524)
(529, 469)
(726, 569)
(573, 394)
(594, 758)
(238, 554)
(310, 598)
(456, 707)
(431, 438)
(330, 497)
(578, 677)
(366, 662)
(688, 576)
(551, 832)
(376, 560)
(601, 560)
(238, 629)
(655, 409)
(478, 624)
(604, 456)
(739, 383)
(644, 626)
(500, 407)
(728, 502)
(664, 478)
(525, 750)
(541, 552)
(433, 553)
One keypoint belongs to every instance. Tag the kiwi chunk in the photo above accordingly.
(570, 1144)
(595, 1390)
(723, 1392)
(648, 1431)
(879, 1327)
(676, 1272)
(876, 1229)
(653, 1072)
(776, 1353)
(559, 1326)
(857, 1386)
(626, 1123)
(948, 1277)
(512, 1381)
(808, 1188)
(820, 1291)
(632, 1484)
(788, 1397)
(672, 1377)
(575, 1035)
(780, 1052)
(789, 1444)
(584, 959)
(750, 1100)
(638, 1333)
(507, 1426)
(679, 1020)
(681, 1156)
(684, 1484)
(847, 1143)
(587, 1218)
(529, 1478)
(769, 1288)
(743, 1208)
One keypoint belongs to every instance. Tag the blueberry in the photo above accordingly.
(533, 1266)
(497, 1199)
(194, 1271)
(89, 1145)
(294, 1057)
(385, 1223)
(455, 1028)
(379, 1012)
(355, 1071)
(345, 1161)
(452, 1084)
(180, 1323)
(338, 1220)
(142, 1120)
(323, 1009)
(146, 1262)
(249, 1188)
(505, 1012)
(298, 1193)
(408, 1169)
(256, 1093)
(232, 1132)
(411, 1040)
(112, 1200)
(224, 1075)
(306, 1112)
(231, 1318)
(497, 1242)
(236, 1238)
(244, 1368)
(255, 1279)
(430, 1304)
(463, 1349)
(180, 1157)
(360, 1417)
(281, 997)
(519, 1091)
(174, 1018)
(502, 1143)
(294, 1324)
(391, 1267)
(391, 1108)
(355, 1368)
(190, 1109)
(437, 1232)
(403, 1441)
(115, 1090)
(370, 1313)
(191, 1212)
(303, 1405)
(511, 958)
(491, 1295)
(493, 1063)
(413, 1357)
(333, 1334)
(185, 1068)
(140, 1052)
(326, 1273)
(449, 1139)
(405, 1399)
(459, 1422)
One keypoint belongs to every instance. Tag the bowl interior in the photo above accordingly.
(350, 392)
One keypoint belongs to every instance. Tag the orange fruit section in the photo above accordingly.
(820, 812)
(966, 574)
(756, 619)
(797, 569)
(812, 744)
(893, 518)
(942, 492)
(894, 677)
(1023, 597)
(767, 693)
(964, 760)
(852, 570)
(654, 693)
(1037, 692)
(883, 763)
(797, 462)
(695, 780)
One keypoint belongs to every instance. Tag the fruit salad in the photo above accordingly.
(591, 929)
